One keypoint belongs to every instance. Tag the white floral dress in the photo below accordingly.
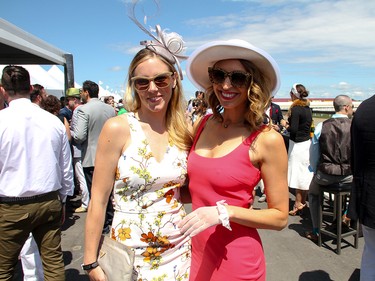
(148, 209)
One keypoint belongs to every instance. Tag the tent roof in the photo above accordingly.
(19, 47)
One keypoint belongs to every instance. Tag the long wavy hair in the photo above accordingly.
(259, 96)
(51, 104)
(175, 119)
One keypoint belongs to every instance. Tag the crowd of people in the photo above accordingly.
(50, 178)
(137, 167)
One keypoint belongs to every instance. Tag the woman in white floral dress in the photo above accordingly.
(142, 154)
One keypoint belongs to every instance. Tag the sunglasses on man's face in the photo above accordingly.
(237, 78)
(161, 81)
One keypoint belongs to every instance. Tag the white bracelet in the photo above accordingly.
(223, 214)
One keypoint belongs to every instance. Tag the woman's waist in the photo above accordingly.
(242, 199)
(145, 199)
(300, 138)
(152, 229)
(151, 208)
(156, 238)
(239, 236)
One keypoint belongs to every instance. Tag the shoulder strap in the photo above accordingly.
(200, 129)
(253, 135)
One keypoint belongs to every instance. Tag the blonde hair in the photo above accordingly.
(259, 97)
(175, 118)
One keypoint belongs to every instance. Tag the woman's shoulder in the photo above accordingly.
(266, 145)
(270, 138)
(201, 121)
(117, 124)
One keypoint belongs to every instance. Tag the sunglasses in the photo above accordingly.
(161, 81)
(237, 78)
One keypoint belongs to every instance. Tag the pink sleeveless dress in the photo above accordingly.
(219, 254)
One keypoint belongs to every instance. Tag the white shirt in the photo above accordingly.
(35, 156)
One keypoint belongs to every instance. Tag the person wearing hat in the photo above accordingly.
(141, 156)
(235, 149)
(73, 93)
(74, 101)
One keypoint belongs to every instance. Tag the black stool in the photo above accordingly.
(339, 192)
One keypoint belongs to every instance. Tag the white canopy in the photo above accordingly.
(40, 76)
(20, 47)
(105, 93)
(53, 80)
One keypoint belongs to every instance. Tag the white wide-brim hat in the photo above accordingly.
(208, 54)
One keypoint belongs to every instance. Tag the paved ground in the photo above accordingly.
(289, 255)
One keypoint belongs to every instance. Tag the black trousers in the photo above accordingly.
(89, 172)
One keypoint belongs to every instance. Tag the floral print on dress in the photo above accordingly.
(148, 209)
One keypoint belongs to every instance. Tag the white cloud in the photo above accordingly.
(117, 68)
(321, 37)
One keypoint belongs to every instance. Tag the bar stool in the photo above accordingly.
(340, 192)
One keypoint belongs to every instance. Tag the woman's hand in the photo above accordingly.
(97, 274)
(199, 220)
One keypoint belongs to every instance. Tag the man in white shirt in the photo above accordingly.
(30, 259)
(36, 176)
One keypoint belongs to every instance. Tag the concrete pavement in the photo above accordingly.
(289, 255)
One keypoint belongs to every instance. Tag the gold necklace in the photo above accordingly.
(227, 123)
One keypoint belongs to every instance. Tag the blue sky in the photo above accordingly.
(329, 46)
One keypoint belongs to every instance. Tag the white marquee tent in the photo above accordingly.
(53, 80)
(38, 75)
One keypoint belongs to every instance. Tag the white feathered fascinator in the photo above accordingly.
(170, 45)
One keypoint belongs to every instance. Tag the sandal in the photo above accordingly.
(311, 236)
(297, 210)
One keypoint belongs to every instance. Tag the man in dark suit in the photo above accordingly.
(90, 120)
(276, 116)
(278, 122)
(362, 204)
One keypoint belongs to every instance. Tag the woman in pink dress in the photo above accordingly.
(232, 151)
